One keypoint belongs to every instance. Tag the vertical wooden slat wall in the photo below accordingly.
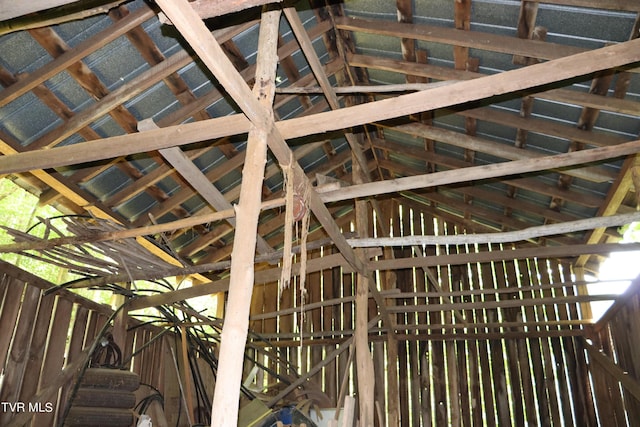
(43, 334)
(488, 363)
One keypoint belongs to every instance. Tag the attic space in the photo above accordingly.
(316, 213)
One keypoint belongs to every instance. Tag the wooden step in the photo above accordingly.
(79, 416)
(104, 398)
(113, 379)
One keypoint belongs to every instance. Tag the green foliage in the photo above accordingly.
(20, 211)
(631, 232)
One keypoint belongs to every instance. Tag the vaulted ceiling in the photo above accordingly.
(492, 115)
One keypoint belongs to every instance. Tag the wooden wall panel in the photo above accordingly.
(19, 351)
(8, 316)
(42, 335)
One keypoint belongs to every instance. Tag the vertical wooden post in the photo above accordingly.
(234, 332)
(364, 361)
(393, 387)
(585, 307)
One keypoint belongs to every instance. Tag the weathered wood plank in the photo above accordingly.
(212, 8)
(630, 385)
(37, 349)
(481, 172)
(459, 37)
(18, 357)
(446, 74)
(10, 9)
(54, 357)
(497, 149)
(8, 316)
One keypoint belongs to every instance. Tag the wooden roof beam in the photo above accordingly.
(439, 97)
(12, 9)
(474, 173)
(445, 74)
(497, 149)
(463, 38)
(614, 199)
(628, 5)
(74, 55)
(529, 183)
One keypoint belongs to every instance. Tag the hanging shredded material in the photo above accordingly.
(303, 260)
(304, 233)
(296, 209)
(287, 255)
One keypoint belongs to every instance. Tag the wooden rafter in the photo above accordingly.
(440, 97)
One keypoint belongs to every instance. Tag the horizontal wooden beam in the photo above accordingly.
(629, 5)
(567, 251)
(464, 38)
(500, 237)
(11, 9)
(493, 148)
(430, 71)
(475, 173)
(505, 293)
(271, 275)
(212, 8)
(439, 328)
(510, 303)
(434, 336)
(57, 16)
